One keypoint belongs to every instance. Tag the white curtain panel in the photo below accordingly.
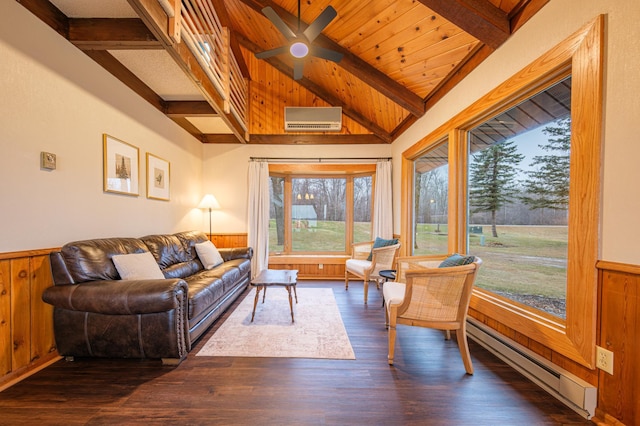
(383, 202)
(258, 214)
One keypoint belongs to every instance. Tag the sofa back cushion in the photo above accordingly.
(90, 260)
(167, 249)
(176, 253)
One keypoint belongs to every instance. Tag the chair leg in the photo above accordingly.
(346, 280)
(392, 343)
(463, 346)
(366, 290)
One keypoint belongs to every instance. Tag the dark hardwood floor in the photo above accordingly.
(426, 386)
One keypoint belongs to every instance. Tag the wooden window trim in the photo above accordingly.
(581, 55)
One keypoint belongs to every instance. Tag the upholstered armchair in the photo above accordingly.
(367, 261)
(431, 296)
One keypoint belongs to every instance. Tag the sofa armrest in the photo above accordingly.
(236, 253)
(119, 297)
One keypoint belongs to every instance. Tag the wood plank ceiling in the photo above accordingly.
(400, 57)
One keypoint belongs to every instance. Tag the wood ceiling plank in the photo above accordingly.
(401, 27)
(479, 18)
(355, 65)
(314, 88)
(358, 23)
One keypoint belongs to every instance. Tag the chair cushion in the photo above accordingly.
(456, 260)
(393, 292)
(357, 266)
(380, 242)
(137, 266)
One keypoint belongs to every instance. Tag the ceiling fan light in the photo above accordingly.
(299, 49)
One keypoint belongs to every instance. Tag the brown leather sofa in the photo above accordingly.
(96, 314)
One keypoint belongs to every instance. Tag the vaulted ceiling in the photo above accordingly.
(399, 58)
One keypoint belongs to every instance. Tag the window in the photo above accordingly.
(430, 201)
(319, 212)
(518, 198)
(496, 125)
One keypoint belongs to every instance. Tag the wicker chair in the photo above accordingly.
(431, 297)
(382, 258)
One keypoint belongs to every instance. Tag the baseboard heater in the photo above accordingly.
(566, 387)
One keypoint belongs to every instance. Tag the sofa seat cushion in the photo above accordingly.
(243, 266)
(204, 292)
(183, 269)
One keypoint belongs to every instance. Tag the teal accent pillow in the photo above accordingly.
(457, 260)
(380, 242)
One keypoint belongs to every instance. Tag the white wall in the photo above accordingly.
(54, 98)
(226, 173)
(559, 19)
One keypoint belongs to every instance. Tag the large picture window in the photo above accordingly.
(320, 213)
(524, 166)
(518, 199)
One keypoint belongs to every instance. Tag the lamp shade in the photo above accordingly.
(209, 202)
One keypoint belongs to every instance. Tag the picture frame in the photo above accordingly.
(158, 178)
(120, 166)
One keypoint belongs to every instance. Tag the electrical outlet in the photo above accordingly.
(320, 265)
(604, 360)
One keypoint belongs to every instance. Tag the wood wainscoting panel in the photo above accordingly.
(27, 342)
(311, 267)
(229, 240)
(619, 394)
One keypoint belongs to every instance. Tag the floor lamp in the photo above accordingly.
(209, 202)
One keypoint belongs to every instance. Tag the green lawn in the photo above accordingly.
(522, 260)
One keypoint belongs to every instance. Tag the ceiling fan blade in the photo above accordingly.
(298, 64)
(328, 54)
(279, 23)
(320, 23)
(272, 52)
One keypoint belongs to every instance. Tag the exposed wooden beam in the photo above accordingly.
(315, 139)
(319, 91)
(156, 20)
(111, 34)
(479, 18)
(353, 64)
(189, 109)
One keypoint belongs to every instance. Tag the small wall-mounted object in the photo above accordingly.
(47, 160)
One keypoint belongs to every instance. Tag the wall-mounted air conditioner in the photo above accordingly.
(312, 119)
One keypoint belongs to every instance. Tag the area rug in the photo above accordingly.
(318, 330)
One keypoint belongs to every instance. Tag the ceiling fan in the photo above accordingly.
(301, 42)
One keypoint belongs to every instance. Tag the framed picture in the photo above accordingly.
(158, 178)
(120, 164)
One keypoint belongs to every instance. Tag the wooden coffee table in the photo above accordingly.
(286, 278)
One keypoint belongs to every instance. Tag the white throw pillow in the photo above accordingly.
(208, 254)
(137, 266)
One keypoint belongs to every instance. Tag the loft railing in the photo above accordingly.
(208, 40)
(239, 92)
